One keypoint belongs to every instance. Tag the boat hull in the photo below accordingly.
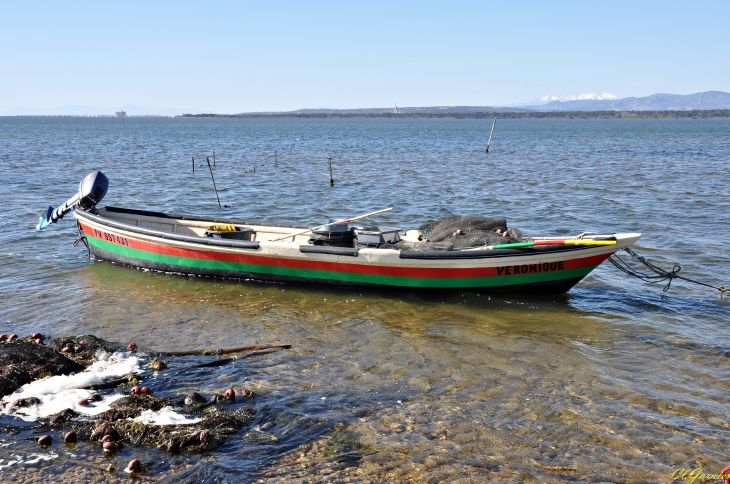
(544, 287)
(514, 271)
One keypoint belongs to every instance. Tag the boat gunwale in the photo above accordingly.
(403, 256)
(236, 244)
(196, 218)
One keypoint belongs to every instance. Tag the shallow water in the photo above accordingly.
(614, 381)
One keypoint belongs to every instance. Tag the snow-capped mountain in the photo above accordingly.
(588, 96)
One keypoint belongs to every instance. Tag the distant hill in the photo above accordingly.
(655, 102)
(401, 110)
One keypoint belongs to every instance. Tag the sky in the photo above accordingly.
(231, 57)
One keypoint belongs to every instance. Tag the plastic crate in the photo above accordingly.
(334, 235)
(241, 233)
(378, 236)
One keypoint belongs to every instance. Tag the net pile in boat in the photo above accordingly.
(455, 232)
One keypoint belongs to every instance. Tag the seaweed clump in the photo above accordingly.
(120, 424)
(207, 434)
(82, 349)
(22, 361)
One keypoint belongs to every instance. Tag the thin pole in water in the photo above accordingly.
(490, 135)
(193, 165)
(213, 158)
(332, 180)
(276, 159)
(211, 177)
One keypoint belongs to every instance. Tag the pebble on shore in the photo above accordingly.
(45, 440)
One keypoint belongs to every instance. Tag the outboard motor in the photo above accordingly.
(91, 190)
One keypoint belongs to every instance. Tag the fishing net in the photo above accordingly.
(455, 232)
(445, 227)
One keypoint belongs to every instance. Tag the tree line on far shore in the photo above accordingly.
(690, 114)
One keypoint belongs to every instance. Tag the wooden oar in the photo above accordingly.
(518, 245)
(348, 220)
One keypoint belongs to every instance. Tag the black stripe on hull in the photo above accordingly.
(536, 288)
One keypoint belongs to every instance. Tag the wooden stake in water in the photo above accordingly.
(213, 158)
(211, 177)
(193, 165)
(490, 135)
(276, 160)
(332, 180)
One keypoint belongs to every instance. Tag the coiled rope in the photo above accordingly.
(660, 275)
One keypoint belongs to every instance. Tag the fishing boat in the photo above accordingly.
(239, 249)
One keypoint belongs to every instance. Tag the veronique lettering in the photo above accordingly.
(531, 268)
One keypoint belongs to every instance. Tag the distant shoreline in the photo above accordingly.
(693, 114)
(689, 114)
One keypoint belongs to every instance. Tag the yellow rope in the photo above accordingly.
(222, 227)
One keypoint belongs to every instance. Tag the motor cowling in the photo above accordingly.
(91, 191)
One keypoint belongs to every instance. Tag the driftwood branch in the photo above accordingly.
(224, 361)
(210, 364)
(225, 351)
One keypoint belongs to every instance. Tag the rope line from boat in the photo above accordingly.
(660, 275)
(82, 238)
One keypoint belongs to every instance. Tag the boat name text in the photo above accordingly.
(531, 268)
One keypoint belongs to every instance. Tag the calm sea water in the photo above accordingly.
(614, 382)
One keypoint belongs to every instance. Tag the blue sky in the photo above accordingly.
(230, 57)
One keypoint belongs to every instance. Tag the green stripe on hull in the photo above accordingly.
(400, 281)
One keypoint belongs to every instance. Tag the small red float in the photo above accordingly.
(724, 474)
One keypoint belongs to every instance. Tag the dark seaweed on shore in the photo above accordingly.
(28, 359)
(22, 361)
